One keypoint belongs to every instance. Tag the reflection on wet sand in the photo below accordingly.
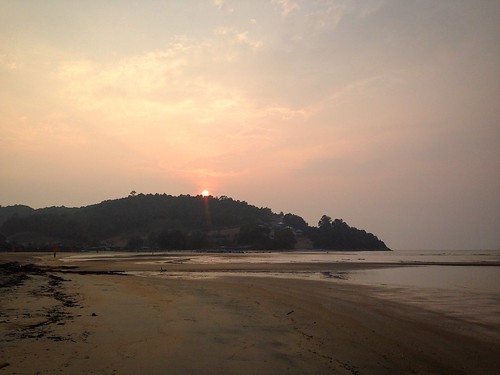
(295, 313)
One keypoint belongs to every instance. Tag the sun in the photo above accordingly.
(205, 193)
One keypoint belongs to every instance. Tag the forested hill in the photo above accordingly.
(160, 221)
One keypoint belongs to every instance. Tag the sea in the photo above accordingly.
(462, 284)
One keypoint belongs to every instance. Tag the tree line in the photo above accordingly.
(163, 221)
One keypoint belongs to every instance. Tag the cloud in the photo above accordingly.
(218, 3)
(182, 102)
(195, 81)
(8, 61)
(124, 90)
(234, 36)
(287, 6)
(326, 18)
(222, 5)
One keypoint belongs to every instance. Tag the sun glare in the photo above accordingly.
(205, 193)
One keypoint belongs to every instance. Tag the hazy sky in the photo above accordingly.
(385, 113)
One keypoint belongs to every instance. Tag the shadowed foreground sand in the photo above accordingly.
(62, 320)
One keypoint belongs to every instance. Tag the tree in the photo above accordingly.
(4, 244)
(172, 239)
(325, 222)
(256, 235)
(197, 240)
(295, 222)
(145, 215)
(338, 235)
(135, 243)
(284, 239)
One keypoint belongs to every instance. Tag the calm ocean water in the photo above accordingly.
(471, 293)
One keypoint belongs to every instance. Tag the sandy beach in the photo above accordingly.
(88, 317)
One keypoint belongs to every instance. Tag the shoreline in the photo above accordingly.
(107, 323)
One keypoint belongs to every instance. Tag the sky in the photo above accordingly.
(385, 113)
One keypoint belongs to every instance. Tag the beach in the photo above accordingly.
(137, 314)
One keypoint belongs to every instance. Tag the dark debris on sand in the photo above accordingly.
(42, 322)
(39, 323)
(14, 274)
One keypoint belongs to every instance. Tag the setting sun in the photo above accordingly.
(205, 193)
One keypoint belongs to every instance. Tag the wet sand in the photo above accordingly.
(83, 317)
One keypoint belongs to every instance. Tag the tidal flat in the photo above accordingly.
(267, 313)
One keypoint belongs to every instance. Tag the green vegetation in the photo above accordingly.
(160, 221)
(337, 235)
